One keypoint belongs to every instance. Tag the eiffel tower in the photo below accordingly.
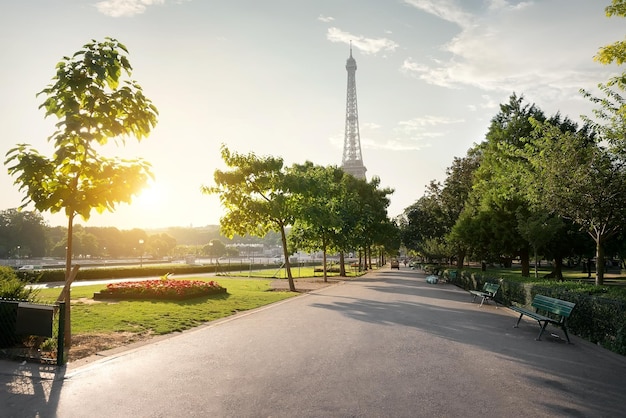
(352, 162)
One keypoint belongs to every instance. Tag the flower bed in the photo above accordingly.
(164, 288)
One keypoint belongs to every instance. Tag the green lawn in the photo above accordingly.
(296, 272)
(163, 317)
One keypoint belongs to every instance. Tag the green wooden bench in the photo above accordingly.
(488, 293)
(556, 313)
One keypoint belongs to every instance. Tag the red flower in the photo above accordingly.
(162, 288)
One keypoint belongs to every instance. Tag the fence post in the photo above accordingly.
(61, 360)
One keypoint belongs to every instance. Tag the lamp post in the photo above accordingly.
(18, 255)
(140, 253)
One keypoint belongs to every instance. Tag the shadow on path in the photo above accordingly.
(40, 385)
(591, 376)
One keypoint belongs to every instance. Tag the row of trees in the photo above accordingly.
(536, 185)
(25, 235)
(327, 209)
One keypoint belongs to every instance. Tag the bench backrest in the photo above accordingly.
(552, 305)
(491, 288)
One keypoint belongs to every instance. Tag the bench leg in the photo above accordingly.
(495, 302)
(543, 328)
(481, 302)
(566, 335)
(518, 319)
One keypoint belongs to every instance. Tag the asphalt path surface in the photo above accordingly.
(385, 345)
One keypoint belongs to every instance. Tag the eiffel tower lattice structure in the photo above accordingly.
(352, 161)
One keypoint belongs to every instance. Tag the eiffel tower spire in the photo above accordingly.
(352, 161)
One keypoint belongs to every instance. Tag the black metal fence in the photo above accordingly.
(32, 331)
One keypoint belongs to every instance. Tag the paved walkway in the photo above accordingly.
(385, 345)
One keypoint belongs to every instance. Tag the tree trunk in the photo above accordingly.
(525, 260)
(342, 264)
(66, 296)
(324, 265)
(283, 238)
(460, 257)
(363, 258)
(558, 267)
(536, 272)
(599, 261)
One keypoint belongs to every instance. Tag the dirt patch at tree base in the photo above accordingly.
(85, 345)
(305, 285)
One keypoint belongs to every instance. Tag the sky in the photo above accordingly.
(268, 77)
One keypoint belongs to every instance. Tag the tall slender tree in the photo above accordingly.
(95, 100)
(256, 198)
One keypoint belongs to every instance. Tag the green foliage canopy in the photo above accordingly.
(93, 104)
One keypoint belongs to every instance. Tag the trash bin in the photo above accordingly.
(34, 319)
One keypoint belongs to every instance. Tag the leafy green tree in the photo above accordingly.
(454, 197)
(25, 230)
(318, 219)
(615, 52)
(11, 287)
(89, 246)
(499, 186)
(94, 103)
(583, 181)
(256, 198)
(538, 228)
(214, 249)
(425, 219)
(160, 245)
(427, 224)
(369, 211)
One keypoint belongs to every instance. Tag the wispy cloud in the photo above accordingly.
(509, 45)
(364, 44)
(444, 9)
(408, 135)
(325, 19)
(394, 144)
(125, 8)
(425, 122)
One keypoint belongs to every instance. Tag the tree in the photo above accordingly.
(22, 234)
(256, 198)
(427, 224)
(94, 103)
(455, 194)
(371, 214)
(160, 245)
(615, 52)
(319, 219)
(498, 192)
(214, 249)
(583, 181)
(538, 228)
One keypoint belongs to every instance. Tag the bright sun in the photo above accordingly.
(150, 196)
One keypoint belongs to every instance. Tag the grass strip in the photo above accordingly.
(163, 317)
